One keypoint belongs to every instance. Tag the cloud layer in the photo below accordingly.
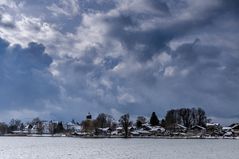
(134, 56)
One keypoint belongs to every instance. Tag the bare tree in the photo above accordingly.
(103, 120)
(202, 118)
(51, 127)
(186, 116)
(14, 124)
(39, 125)
(3, 128)
(125, 122)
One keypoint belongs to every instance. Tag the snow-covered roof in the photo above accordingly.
(119, 128)
(228, 133)
(212, 124)
(70, 124)
(114, 132)
(235, 126)
(77, 127)
(146, 124)
(135, 133)
(157, 128)
(143, 132)
(226, 128)
(197, 126)
(19, 132)
(181, 126)
(104, 129)
(55, 121)
(27, 126)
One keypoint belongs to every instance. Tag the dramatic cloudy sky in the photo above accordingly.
(61, 59)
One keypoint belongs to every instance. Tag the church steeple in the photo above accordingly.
(88, 116)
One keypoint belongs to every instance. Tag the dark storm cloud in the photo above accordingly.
(189, 54)
(209, 78)
(134, 56)
(24, 79)
(157, 38)
(200, 74)
(230, 6)
(159, 5)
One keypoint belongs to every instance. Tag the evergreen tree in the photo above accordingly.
(140, 121)
(163, 123)
(60, 128)
(154, 121)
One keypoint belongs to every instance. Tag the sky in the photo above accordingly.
(61, 59)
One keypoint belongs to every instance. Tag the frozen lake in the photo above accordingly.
(77, 148)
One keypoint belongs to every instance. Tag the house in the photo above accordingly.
(197, 130)
(146, 126)
(45, 126)
(120, 129)
(176, 128)
(214, 129)
(157, 130)
(72, 127)
(226, 129)
(20, 132)
(135, 133)
(235, 129)
(114, 133)
(34, 129)
(28, 128)
(228, 134)
(144, 132)
(103, 131)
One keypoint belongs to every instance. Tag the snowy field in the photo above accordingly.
(76, 148)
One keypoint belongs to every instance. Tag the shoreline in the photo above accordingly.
(121, 137)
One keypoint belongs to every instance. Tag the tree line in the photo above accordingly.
(187, 117)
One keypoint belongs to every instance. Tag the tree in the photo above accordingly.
(3, 128)
(172, 118)
(35, 121)
(59, 128)
(103, 120)
(154, 121)
(73, 121)
(140, 121)
(55, 127)
(22, 126)
(186, 116)
(39, 125)
(52, 127)
(163, 123)
(202, 118)
(14, 125)
(125, 122)
(88, 126)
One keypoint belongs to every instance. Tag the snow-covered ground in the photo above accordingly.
(77, 148)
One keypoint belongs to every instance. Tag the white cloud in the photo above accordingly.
(163, 58)
(65, 7)
(126, 98)
(11, 4)
(6, 18)
(169, 71)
